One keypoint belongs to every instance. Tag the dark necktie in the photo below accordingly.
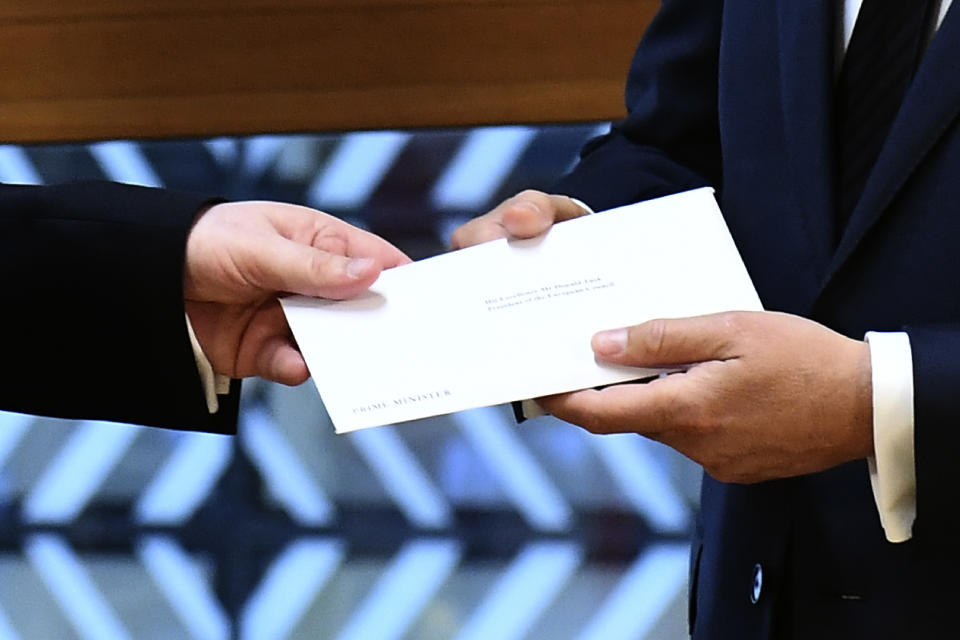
(884, 51)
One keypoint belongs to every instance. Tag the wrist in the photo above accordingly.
(192, 255)
(862, 401)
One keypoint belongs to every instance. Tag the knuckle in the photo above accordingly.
(670, 408)
(320, 265)
(730, 321)
(696, 417)
(665, 418)
(736, 323)
(692, 414)
(652, 338)
(534, 197)
(529, 194)
(735, 326)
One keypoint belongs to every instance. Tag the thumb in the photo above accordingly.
(290, 267)
(530, 213)
(671, 342)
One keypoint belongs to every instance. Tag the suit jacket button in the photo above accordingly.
(757, 583)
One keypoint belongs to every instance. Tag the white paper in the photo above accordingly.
(506, 321)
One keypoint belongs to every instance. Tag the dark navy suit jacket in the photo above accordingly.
(92, 316)
(737, 94)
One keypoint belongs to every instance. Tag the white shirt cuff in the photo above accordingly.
(213, 383)
(530, 409)
(892, 467)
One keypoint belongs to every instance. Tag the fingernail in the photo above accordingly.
(359, 267)
(610, 343)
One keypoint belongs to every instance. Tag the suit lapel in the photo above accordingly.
(930, 106)
(807, 78)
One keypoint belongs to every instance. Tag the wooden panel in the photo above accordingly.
(151, 68)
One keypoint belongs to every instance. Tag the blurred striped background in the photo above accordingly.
(467, 526)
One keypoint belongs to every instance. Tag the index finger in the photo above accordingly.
(650, 408)
(281, 265)
(363, 244)
(331, 234)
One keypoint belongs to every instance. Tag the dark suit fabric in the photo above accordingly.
(738, 95)
(93, 318)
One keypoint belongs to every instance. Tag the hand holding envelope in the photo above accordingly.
(509, 320)
(526, 215)
(775, 395)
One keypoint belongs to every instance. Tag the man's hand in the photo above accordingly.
(770, 396)
(241, 256)
(525, 215)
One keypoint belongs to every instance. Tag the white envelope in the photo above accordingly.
(511, 320)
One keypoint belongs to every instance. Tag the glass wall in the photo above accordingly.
(467, 526)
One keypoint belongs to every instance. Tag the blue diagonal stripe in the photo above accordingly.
(283, 471)
(16, 167)
(124, 161)
(521, 477)
(77, 471)
(403, 477)
(184, 587)
(406, 586)
(185, 480)
(355, 169)
(73, 589)
(523, 592)
(480, 167)
(289, 586)
(642, 596)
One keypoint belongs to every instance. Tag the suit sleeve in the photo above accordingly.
(670, 140)
(93, 320)
(936, 370)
